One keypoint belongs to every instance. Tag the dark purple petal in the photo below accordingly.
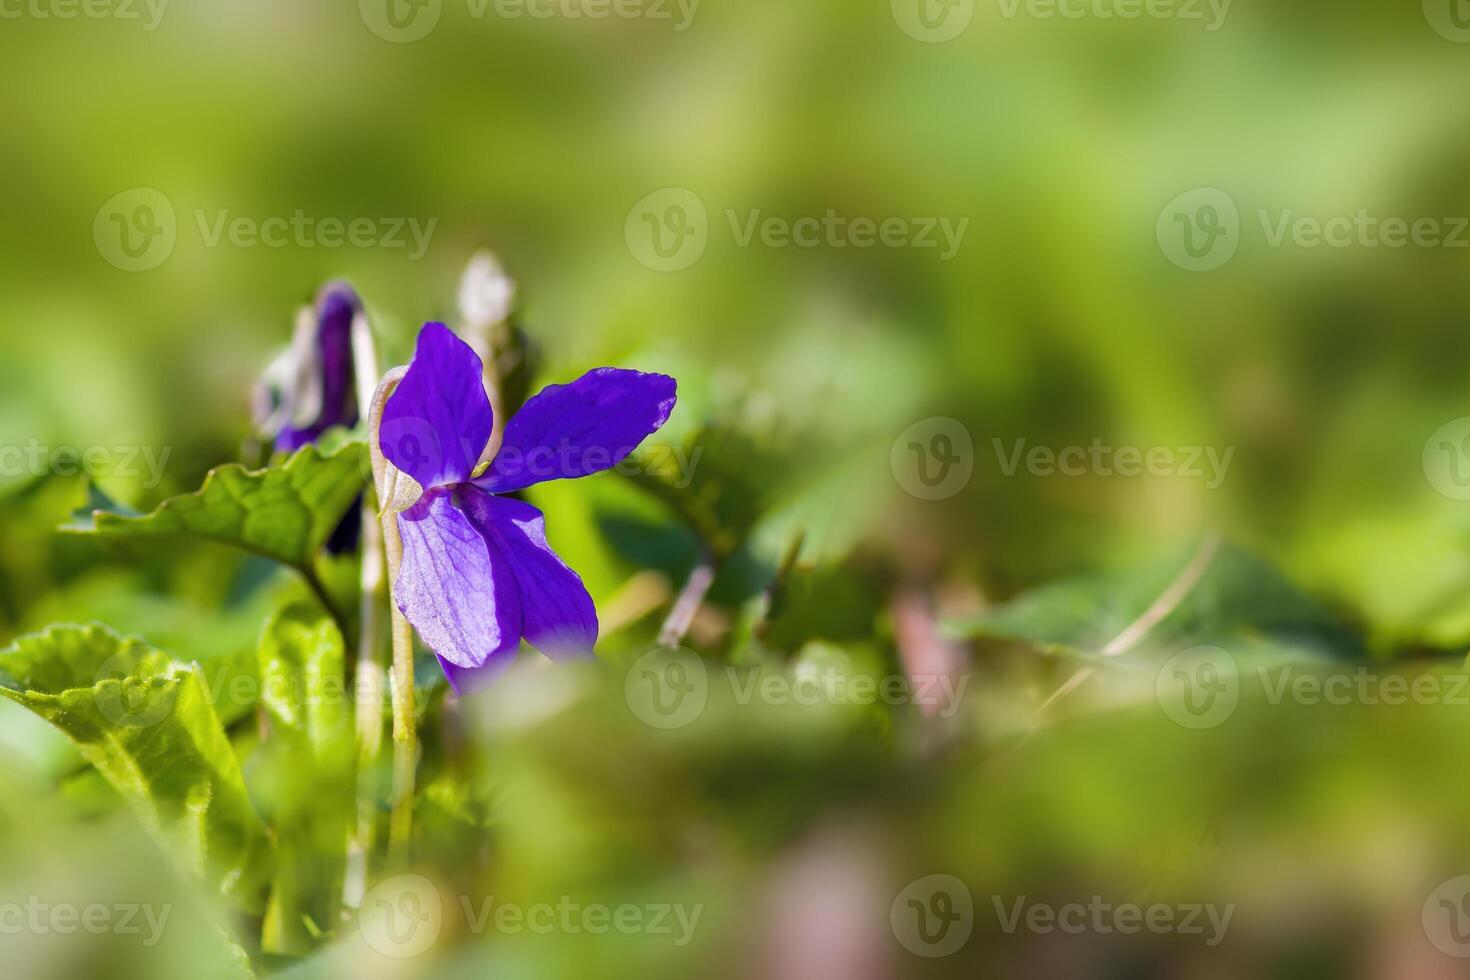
(463, 606)
(438, 420)
(584, 427)
(330, 360)
(557, 615)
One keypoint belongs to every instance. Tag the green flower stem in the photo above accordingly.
(388, 483)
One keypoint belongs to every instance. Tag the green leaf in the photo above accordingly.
(309, 760)
(145, 722)
(720, 481)
(285, 511)
(1237, 596)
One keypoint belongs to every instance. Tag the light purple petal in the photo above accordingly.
(584, 427)
(438, 420)
(557, 615)
(461, 603)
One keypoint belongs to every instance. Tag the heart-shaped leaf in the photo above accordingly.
(285, 511)
(145, 722)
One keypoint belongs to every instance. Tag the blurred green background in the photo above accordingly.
(1061, 319)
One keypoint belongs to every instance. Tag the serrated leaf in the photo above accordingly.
(285, 511)
(302, 658)
(1238, 595)
(144, 721)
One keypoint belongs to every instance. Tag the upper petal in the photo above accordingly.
(438, 419)
(580, 428)
(557, 614)
(463, 605)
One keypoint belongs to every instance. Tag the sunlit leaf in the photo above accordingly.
(310, 764)
(285, 511)
(145, 722)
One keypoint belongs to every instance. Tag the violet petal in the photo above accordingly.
(579, 428)
(463, 606)
(557, 614)
(438, 419)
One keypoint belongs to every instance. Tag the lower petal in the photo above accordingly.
(462, 605)
(558, 616)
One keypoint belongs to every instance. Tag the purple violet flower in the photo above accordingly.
(312, 386)
(322, 392)
(477, 575)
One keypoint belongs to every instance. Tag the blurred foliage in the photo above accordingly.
(791, 826)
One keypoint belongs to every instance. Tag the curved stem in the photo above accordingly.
(681, 616)
(405, 733)
(319, 590)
